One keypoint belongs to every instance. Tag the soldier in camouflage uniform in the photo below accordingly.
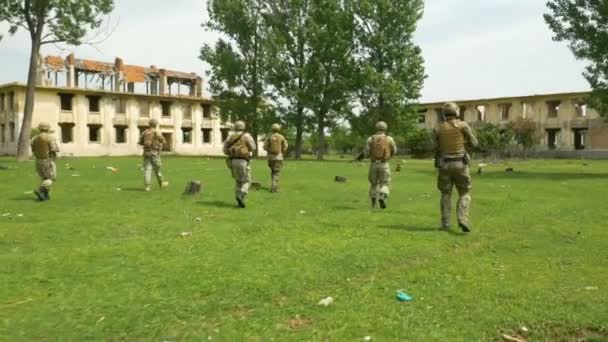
(380, 148)
(452, 161)
(152, 141)
(276, 146)
(239, 148)
(45, 149)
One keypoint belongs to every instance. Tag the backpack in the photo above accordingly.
(380, 149)
(148, 139)
(276, 144)
(238, 149)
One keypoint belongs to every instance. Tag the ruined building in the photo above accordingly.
(98, 108)
(567, 127)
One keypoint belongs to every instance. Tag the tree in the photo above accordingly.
(493, 139)
(343, 140)
(330, 70)
(525, 133)
(584, 24)
(239, 61)
(390, 70)
(288, 22)
(48, 21)
(420, 143)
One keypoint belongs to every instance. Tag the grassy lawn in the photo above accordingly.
(103, 260)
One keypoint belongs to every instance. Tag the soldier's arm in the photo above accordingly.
(250, 143)
(53, 147)
(284, 144)
(266, 144)
(141, 139)
(161, 138)
(470, 135)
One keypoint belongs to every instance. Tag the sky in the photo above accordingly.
(472, 48)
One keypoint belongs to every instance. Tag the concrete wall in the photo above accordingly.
(567, 121)
(48, 108)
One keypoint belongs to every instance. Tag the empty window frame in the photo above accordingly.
(422, 116)
(120, 133)
(94, 103)
(206, 111)
(187, 135)
(66, 102)
(505, 111)
(552, 135)
(225, 133)
(11, 101)
(481, 112)
(553, 108)
(206, 135)
(121, 105)
(94, 133)
(11, 131)
(581, 109)
(67, 132)
(2, 96)
(2, 133)
(166, 108)
(461, 112)
(580, 137)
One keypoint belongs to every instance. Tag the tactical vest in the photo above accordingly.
(151, 141)
(276, 144)
(41, 146)
(451, 137)
(239, 148)
(380, 148)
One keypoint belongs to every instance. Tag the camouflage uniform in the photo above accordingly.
(152, 141)
(453, 161)
(276, 145)
(380, 148)
(45, 149)
(239, 148)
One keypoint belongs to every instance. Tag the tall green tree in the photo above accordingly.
(288, 22)
(584, 25)
(238, 60)
(390, 66)
(331, 67)
(48, 21)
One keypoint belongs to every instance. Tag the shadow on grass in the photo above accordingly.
(25, 198)
(522, 175)
(133, 189)
(418, 229)
(218, 204)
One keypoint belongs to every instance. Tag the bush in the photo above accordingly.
(493, 140)
(420, 143)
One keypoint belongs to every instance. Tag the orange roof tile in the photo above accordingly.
(54, 62)
(89, 65)
(134, 73)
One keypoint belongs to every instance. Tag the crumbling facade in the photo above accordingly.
(567, 126)
(98, 108)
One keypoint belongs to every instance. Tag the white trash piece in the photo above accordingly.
(326, 301)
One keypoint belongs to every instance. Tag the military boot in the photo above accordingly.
(240, 201)
(374, 203)
(39, 194)
(465, 227)
(382, 201)
(46, 193)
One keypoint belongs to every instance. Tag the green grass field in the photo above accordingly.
(103, 260)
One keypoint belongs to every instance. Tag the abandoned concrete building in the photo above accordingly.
(98, 108)
(567, 127)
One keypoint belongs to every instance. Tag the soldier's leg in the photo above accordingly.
(242, 173)
(445, 185)
(275, 170)
(373, 183)
(157, 166)
(148, 167)
(462, 179)
(384, 182)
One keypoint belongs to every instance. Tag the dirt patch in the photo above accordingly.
(298, 323)
(557, 333)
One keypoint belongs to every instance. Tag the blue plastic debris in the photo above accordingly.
(403, 297)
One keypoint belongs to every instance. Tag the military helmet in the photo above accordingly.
(450, 109)
(239, 125)
(275, 127)
(381, 126)
(153, 123)
(44, 127)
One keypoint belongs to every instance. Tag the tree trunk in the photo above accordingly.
(23, 147)
(321, 137)
(299, 132)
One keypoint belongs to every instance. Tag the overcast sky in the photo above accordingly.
(472, 49)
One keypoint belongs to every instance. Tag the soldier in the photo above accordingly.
(45, 149)
(380, 148)
(452, 161)
(276, 146)
(152, 141)
(239, 148)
